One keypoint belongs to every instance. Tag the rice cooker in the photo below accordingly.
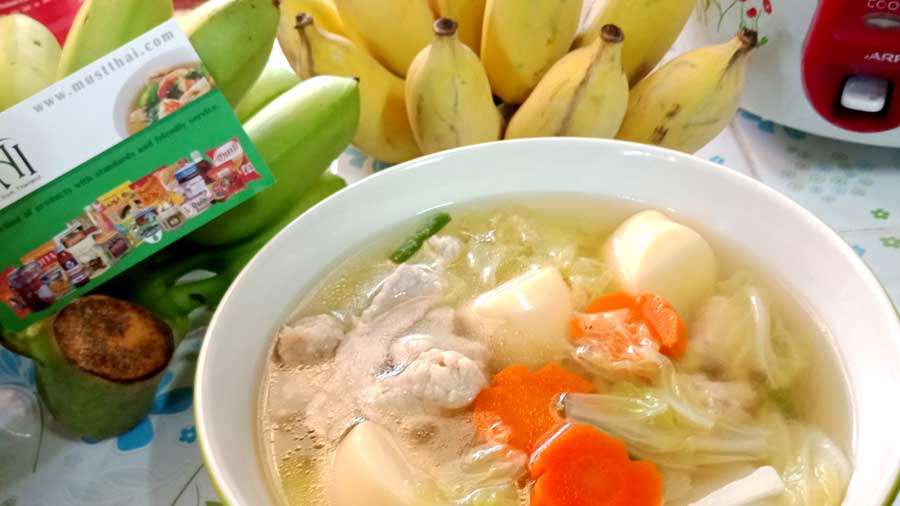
(830, 67)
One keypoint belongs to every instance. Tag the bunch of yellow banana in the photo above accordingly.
(440, 74)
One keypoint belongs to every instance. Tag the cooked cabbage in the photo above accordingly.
(589, 278)
(502, 495)
(670, 427)
(512, 242)
(814, 469)
(736, 336)
(704, 401)
(619, 353)
(486, 476)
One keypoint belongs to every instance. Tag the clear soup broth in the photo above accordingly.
(398, 383)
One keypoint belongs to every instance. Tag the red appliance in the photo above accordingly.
(851, 64)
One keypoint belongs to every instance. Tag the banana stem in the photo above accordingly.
(612, 33)
(304, 19)
(748, 37)
(445, 27)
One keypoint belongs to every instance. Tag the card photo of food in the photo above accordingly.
(166, 91)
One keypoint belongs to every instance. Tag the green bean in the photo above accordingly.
(414, 243)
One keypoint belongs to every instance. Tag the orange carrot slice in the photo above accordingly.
(667, 329)
(665, 326)
(611, 302)
(517, 409)
(580, 466)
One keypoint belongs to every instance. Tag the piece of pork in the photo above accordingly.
(400, 302)
(408, 348)
(433, 381)
(407, 283)
(310, 339)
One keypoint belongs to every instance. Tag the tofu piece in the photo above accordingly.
(370, 468)
(523, 320)
(764, 483)
(650, 253)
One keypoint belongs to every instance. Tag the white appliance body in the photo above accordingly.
(775, 87)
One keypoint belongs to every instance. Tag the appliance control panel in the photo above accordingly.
(851, 64)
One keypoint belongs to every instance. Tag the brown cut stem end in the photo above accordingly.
(612, 33)
(748, 37)
(304, 19)
(445, 27)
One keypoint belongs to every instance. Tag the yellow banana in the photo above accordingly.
(394, 30)
(323, 11)
(29, 55)
(690, 99)
(103, 25)
(384, 130)
(519, 44)
(234, 39)
(650, 26)
(469, 15)
(448, 96)
(584, 94)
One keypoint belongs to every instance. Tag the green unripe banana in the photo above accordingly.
(29, 55)
(270, 85)
(103, 25)
(298, 135)
(234, 39)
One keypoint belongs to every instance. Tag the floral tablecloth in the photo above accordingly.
(853, 188)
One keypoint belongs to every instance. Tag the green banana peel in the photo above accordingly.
(298, 134)
(234, 39)
(271, 84)
(29, 57)
(104, 25)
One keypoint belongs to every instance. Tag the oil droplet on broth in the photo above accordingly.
(300, 480)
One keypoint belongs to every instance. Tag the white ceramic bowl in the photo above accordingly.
(813, 261)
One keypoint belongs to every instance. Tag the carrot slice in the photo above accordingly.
(571, 441)
(611, 302)
(517, 408)
(665, 326)
(580, 465)
(576, 329)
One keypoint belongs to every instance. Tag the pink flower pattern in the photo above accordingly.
(750, 12)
